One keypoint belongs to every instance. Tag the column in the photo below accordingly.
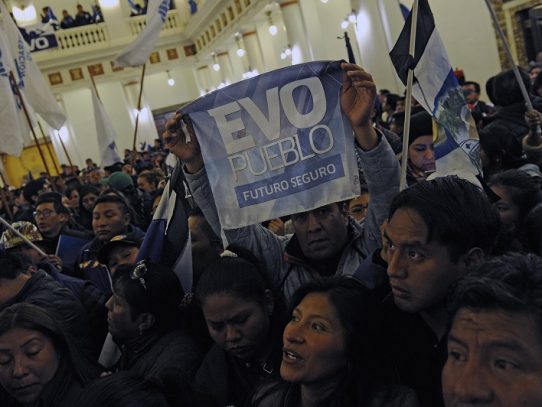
(225, 66)
(254, 51)
(114, 18)
(295, 31)
(203, 76)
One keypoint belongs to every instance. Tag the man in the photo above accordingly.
(110, 217)
(18, 284)
(67, 20)
(120, 249)
(495, 342)
(82, 17)
(27, 200)
(326, 240)
(436, 231)
(478, 108)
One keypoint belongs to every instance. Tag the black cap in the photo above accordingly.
(116, 241)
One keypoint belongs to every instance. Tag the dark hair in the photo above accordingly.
(29, 316)
(32, 189)
(117, 199)
(161, 296)
(85, 190)
(502, 148)
(206, 228)
(506, 90)
(56, 199)
(457, 214)
(150, 176)
(357, 311)
(524, 190)
(475, 84)
(533, 230)
(511, 283)
(12, 265)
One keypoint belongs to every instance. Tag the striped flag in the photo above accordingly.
(436, 88)
(105, 131)
(139, 50)
(29, 77)
(167, 240)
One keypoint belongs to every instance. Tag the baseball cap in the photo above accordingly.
(116, 241)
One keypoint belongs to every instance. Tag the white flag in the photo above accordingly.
(29, 77)
(106, 133)
(138, 51)
(11, 126)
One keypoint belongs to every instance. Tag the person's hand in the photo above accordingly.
(533, 118)
(276, 226)
(55, 261)
(185, 148)
(357, 100)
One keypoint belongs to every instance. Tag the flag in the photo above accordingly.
(436, 88)
(97, 14)
(136, 8)
(405, 11)
(139, 50)
(28, 75)
(167, 240)
(193, 7)
(106, 133)
(11, 129)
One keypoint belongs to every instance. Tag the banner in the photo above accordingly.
(437, 89)
(276, 144)
(39, 37)
(105, 131)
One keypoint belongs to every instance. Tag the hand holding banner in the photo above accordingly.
(277, 144)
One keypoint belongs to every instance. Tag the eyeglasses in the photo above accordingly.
(139, 272)
(45, 213)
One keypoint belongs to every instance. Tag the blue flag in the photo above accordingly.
(437, 89)
(276, 144)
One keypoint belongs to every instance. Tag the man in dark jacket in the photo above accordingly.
(110, 217)
(18, 284)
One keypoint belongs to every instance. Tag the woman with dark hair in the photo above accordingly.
(146, 321)
(330, 354)
(88, 194)
(519, 193)
(245, 320)
(499, 150)
(39, 363)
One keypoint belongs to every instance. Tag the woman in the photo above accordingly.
(330, 354)
(421, 152)
(146, 321)
(39, 363)
(518, 193)
(244, 320)
(87, 196)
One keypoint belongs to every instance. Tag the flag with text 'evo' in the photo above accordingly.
(276, 144)
(28, 75)
(11, 128)
(105, 131)
(139, 50)
(437, 89)
(167, 240)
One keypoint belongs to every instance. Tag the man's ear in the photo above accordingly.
(470, 260)
(64, 217)
(269, 301)
(145, 321)
(127, 218)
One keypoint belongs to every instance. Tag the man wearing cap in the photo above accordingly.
(421, 153)
(121, 249)
(124, 183)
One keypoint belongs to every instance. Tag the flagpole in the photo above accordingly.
(510, 57)
(138, 111)
(16, 88)
(408, 101)
(28, 242)
(49, 149)
(64, 148)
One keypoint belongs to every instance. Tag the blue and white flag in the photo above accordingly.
(139, 50)
(276, 144)
(167, 240)
(436, 88)
(105, 131)
(135, 8)
(11, 125)
(28, 75)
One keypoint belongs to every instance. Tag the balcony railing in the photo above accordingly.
(171, 25)
(82, 37)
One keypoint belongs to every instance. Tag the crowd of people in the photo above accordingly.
(82, 17)
(430, 296)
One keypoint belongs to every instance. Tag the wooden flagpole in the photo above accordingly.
(49, 149)
(64, 148)
(138, 111)
(16, 88)
(408, 101)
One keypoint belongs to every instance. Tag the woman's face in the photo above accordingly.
(422, 153)
(88, 201)
(238, 326)
(314, 343)
(74, 199)
(119, 316)
(28, 362)
(508, 210)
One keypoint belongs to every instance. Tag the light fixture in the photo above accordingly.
(170, 80)
(222, 85)
(24, 14)
(251, 73)
(272, 27)
(324, 1)
(240, 50)
(349, 19)
(286, 53)
(216, 65)
(352, 17)
(344, 24)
